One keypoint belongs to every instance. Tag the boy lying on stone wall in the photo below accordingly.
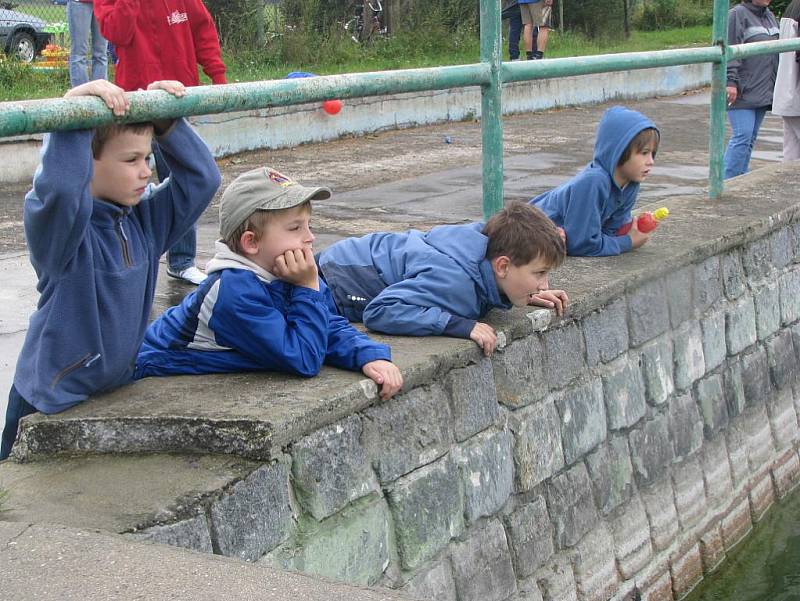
(95, 231)
(596, 203)
(263, 305)
(441, 282)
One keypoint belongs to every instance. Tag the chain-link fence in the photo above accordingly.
(28, 26)
(46, 10)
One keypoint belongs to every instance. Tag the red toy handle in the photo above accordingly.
(646, 222)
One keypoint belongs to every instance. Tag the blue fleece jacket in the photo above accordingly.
(97, 264)
(591, 207)
(242, 319)
(414, 283)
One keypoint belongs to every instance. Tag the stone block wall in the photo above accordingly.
(617, 455)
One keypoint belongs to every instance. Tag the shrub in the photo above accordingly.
(653, 15)
(597, 19)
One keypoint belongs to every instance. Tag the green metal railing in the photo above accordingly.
(38, 116)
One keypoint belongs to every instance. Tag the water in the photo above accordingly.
(766, 566)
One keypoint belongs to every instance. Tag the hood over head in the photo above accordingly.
(617, 128)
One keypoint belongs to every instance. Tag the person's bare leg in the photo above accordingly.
(527, 34)
(541, 39)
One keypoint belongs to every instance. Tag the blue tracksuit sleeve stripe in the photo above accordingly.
(297, 343)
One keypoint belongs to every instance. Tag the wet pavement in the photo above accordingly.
(409, 178)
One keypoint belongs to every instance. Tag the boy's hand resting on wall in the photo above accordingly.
(550, 299)
(386, 375)
(637, 238)
(297, 267)
(485, 337)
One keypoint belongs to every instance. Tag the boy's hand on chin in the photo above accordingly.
(386, 375)
(485, 337)
(550, 299)
(297, 267)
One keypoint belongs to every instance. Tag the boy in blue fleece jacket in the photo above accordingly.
(594, 204)
(95, 231)
(263, 306)
(443, 281)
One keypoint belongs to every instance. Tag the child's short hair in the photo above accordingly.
(104, 133)
(256, 223)
(649, 136)
(524, 233)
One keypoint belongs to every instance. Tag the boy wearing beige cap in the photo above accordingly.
(263, 306)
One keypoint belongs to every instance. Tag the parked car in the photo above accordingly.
(21, 35)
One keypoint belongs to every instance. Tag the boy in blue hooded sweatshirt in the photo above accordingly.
(95, 231)
(594, 204)
(441, 282)
(263, 306)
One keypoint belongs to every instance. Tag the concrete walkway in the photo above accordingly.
(409, 178)
(59, 563)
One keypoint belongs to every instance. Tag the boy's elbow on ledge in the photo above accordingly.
(306, 370)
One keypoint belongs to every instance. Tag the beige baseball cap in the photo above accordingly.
(262, 189)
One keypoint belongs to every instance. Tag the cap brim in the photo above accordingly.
(297, 195)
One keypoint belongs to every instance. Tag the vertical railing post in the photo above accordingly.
(716, 134)
(491, 109)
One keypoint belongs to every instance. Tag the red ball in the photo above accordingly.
(332, 106)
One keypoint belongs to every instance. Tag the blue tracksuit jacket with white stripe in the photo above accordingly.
(242, 319)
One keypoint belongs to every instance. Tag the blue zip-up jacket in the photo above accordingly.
(415, 284)
(97, 264)
(242, 319)
(591, 207)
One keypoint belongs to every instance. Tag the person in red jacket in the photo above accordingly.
(157, 40)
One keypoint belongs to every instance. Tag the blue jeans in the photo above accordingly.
(80, 17)
(181, 255)
(17, 409)
(514, 32)
(745, 124)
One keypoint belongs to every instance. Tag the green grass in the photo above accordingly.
(338, 54)
(409, 51)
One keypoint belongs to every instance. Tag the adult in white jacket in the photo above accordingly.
(786, 98)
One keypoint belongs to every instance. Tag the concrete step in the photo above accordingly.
(43, 562)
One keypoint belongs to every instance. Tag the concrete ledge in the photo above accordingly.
(282, 127)
(256, 415)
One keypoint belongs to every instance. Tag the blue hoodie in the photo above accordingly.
(97, 264)
(243, 319)
(414, 283)
(591, 207)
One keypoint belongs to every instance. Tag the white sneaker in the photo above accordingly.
(191, 275)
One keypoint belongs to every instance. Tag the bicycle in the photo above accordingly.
(357, 28)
